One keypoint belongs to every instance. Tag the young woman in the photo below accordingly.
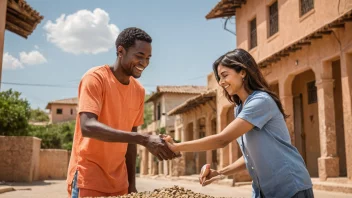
(276, 167)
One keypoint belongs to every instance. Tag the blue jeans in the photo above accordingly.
(74, 189)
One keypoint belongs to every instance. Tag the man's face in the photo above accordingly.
(136, 58)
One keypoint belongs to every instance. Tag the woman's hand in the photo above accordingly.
(212, 176)
(171, 144)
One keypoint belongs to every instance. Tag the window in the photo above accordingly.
(71, 111)
(312, 92)
(306, 6)
(273, 19)
(58, 111)
(253, 33)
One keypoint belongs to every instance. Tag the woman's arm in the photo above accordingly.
(233, 168)
(214, 175)
(231, 132)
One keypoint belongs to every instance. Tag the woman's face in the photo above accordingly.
(230, 80)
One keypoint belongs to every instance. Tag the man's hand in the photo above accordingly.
(171, 144)
(158, 147)
(132, 189)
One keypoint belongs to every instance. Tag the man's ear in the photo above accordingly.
(121, 51)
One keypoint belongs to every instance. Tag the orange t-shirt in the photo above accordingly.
(101, 165)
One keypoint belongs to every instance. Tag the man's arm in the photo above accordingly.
(92, 128)
(131, 165)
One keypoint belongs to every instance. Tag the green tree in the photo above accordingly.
(14, 113)
(54, 136)
(37, 115)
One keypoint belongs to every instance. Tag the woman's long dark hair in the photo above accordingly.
(239, 60)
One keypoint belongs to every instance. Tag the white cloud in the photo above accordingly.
(36, 46)
(10, 62)
(83, 32)
(32, 58)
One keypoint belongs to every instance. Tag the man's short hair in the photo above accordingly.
(128, 37)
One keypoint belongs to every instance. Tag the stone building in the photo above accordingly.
(164, 99)
(304, 49)
(62, 110)
(199, 117)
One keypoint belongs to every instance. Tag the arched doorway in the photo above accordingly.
(306, 120)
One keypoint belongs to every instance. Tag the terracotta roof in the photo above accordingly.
(183, 89)
(339, 22)
(193, 102)
(21, 18)
(225, 8)
(69, 101)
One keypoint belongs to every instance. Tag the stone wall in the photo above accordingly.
(53, 164)
(19, 158)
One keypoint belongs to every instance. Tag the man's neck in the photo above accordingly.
(119, 74)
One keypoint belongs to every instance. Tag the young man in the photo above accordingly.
(111, 105)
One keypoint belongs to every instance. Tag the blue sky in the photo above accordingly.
(60, 51)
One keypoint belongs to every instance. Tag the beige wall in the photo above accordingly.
(66, 113)
(168, 101)
(291, 26)
(53, 164)
(19, 158)
(172, 100)
(211, 81)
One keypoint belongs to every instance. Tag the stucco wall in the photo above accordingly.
(53, 164)
(19, 158)
(291, 26)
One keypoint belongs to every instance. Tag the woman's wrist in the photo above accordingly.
(221, 172)
(177, 147)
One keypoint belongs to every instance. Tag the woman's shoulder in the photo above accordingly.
(260, 95)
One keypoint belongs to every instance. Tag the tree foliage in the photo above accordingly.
(55, 136)
(14, 113)
(38, 115)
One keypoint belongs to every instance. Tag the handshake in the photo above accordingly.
(161, 146)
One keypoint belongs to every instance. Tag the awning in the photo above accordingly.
(193, 102)
(225, 8)
(21, 18)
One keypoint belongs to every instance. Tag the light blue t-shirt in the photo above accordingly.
(276, 167)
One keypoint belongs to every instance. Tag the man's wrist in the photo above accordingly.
(143, 139)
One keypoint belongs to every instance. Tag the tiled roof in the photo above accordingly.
(21, 18)
(193, 102)
(69, 101)
(225, 8)
(183, 89)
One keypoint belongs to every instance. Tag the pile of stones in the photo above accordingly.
(174, 191)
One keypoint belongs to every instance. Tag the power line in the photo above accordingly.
(37, 85)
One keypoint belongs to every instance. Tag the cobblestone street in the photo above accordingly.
(57, 189)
